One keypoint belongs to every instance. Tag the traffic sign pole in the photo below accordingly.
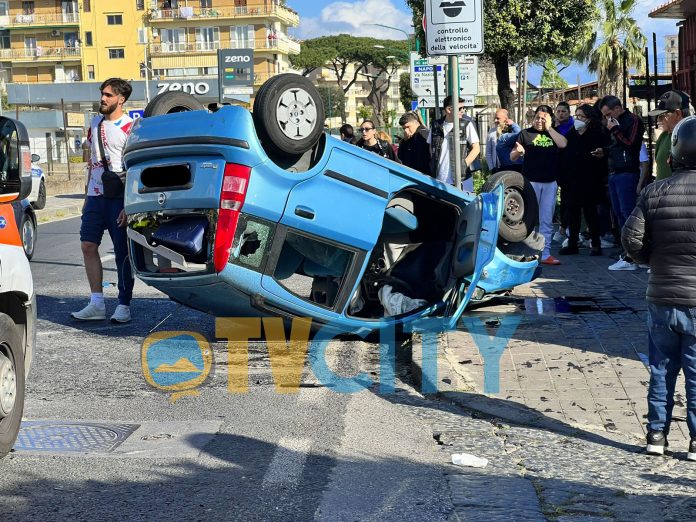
(453, 87)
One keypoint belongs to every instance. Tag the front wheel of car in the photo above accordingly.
(520, 209)
(288, 114)
(11, 383)
(172, 101)
(41, 198)
(28, 232)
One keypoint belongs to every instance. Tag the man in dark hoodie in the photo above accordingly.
(414, 150)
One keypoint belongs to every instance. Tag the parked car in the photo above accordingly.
(241, 215)
(37, 197)
(27, 224)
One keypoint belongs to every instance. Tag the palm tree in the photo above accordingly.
(616, 35)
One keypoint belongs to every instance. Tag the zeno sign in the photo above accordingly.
(199, 88)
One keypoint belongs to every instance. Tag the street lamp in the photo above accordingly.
(408, 36)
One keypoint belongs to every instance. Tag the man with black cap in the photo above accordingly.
(671, 108)
(660, 232)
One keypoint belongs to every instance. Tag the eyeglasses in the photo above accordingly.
(365, 129)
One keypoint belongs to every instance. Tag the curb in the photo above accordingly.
(54, 214)
(458, 389)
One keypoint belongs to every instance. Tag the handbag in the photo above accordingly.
(114, 183)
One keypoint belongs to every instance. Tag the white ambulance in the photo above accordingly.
(17, 299)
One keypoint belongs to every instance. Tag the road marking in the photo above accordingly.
(108, 257)
(312, 395)
(288, 462)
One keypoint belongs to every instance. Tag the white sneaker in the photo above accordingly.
(121, 315)
(90, 313)
(622, 265)
(558, 237)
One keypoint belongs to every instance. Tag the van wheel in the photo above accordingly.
(11, 383)
(520, 209)
(28, 232)
(41, 198)
(172, 101)
(288, 114)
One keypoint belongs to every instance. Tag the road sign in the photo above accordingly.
(238, 90)
(454, 27)
(136, 113)
(414, 105)
(425, 101)
(423, 81)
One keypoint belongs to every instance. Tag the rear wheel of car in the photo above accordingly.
(27, 230)
(288, 114)
(11, 383)
(41, 198)
(172, 101)
(520, 210)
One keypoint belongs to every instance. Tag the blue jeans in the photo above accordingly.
(622, 194)
(100, 214)
(672, 345)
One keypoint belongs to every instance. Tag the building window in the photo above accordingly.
(88, 38)
(5, 39)
(86, 6)
(206, 4)
(115, 19)
(90, 72)
(4, 11)
(116, 54)
(140, 5)
(28, 8)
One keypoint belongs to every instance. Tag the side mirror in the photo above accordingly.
(15, 161)
(35, 158)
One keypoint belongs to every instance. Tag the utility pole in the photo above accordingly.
(453, 88)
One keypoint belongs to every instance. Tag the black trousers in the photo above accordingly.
(577, 203)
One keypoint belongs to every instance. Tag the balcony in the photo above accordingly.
(283, 14)
(45, 54)
(283, 45)
(41, 20)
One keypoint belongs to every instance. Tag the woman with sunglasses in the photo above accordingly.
(370, 141)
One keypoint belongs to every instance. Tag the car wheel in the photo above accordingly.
(11, 383)
(172, 101)
(27, 231)
(41, 198)
(520, 210)
(288, 114)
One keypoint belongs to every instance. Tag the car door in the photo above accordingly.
(330, 222)
(474, 249)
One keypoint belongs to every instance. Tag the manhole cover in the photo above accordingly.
(72, 436)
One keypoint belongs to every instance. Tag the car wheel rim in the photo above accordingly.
(28, 237)
(296, 114)
(514, 206)
(8, 386)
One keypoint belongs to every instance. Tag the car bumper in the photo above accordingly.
(503, 273)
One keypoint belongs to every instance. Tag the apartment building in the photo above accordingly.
(66, 40)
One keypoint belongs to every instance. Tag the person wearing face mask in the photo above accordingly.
(587, 177)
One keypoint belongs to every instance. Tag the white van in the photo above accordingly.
(17, 298)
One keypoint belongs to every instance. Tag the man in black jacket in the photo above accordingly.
(626, 132)
(660, 231)
(414, 150)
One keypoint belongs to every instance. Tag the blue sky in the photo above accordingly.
(321, 17)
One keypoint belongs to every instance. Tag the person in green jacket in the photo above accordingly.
(672, 107)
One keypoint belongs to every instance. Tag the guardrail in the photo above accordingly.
(41, 52)
(188, 13)
(45, 19)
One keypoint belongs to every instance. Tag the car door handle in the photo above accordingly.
(304, 212)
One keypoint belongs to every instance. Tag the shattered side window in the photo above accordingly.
(312, 269)
(252, 242)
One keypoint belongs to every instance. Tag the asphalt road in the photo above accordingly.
(259, 455)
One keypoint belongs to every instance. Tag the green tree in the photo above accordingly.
(538, 29)
(616, 36)
(334, 100)
(405, 92)
(365, 112)
(551, 79)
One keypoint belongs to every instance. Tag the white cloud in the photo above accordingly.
(353, 18)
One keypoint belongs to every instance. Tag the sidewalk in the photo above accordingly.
(578, 357)
(60, 207)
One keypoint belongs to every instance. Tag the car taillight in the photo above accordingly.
(234, 186)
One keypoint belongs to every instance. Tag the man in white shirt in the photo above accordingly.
(103, 208)
(441, 139)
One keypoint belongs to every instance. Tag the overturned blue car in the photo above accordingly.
(247, 214)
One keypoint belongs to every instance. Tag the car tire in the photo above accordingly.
(11, 383)
(520, 209)
(41, 198)
(172, 101)
(27, 232)
(288, 114)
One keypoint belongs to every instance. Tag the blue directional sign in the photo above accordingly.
(414, 105)
(136, 113)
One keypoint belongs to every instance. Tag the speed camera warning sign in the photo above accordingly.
(454, 27)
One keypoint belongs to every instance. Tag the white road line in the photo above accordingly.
(312, 395)
(288, 462)
(108, 257)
